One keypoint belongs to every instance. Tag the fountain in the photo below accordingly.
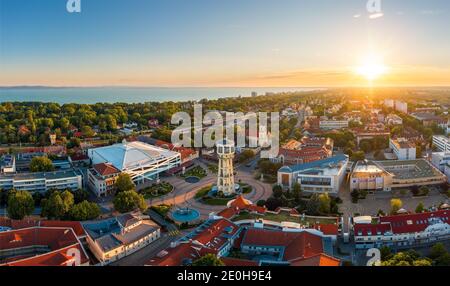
(185, 215)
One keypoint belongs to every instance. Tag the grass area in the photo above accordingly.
(197, 171)
(246, 188)
(157, 190)
(162, 210)
(203, 192)
(284, 217)
(213, 168)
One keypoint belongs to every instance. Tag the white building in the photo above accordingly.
(441, 142)
(389, 103)
(333, 124)
(368, 176)
(112, 239)
(7, 164)
(441, 161)
(323, 176)
(42, 182)
(393, 119)
(401, 106)
(402, 231)
(403, 149)
(143, 162)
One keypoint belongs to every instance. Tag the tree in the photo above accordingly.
(68, 200)
(396, 205)
(273, 203)
(129, 201)
(261, 203)
(408, 258)
(58, 205)
(246, 155)
(358, 156)
(324, 203)
(20, 204)
(84, 211)
(80, 195)
(437, 250)
(313, 205)
(87, 131)
(208, 260)
(277, 191)
(41, 164)
(420, 208)
(124, 183)
(386, 253)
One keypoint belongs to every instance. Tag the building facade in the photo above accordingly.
(142, 161)
(333, 124)
(403, 149)
(112, 239)
(442, 143)
(403, 231)
(323, 176)
(42, 182)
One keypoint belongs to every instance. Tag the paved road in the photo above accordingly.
(184, 193)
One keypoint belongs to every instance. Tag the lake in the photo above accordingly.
(130, 94)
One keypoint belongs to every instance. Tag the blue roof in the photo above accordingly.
(316, 164)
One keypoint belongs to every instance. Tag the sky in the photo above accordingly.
(236, 43)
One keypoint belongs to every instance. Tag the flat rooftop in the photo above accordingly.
(42, 175)
(410, 169)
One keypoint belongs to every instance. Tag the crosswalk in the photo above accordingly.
(174, 233)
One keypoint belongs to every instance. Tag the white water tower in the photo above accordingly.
(225, 176)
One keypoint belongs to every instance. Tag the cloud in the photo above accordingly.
(357, 16)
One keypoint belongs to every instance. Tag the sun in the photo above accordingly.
(372, 67)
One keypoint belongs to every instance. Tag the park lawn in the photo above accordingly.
(246, 189)
(197, 171)
(162, 210)
(157, 190)
(203, 192)
(213, 168)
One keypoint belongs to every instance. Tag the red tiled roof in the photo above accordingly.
(212, 236)
(228, 261)
(327, 229)
(373, 229)
(297, 244)
(20, 224)
(57, 258)
(79, 157)
(105, 169)
(317, 260)
(175, 256)
(75, 225)
(58, 240)
(228, 213)
(410, 223)
(240, 202)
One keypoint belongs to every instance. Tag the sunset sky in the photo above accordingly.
(224, 43)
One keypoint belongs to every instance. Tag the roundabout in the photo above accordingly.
(184, 193)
